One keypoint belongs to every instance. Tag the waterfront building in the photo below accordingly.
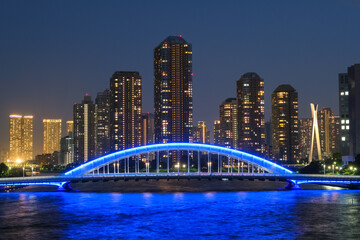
(305, 137)
(329, 132)
(84, 130)
(4, 155)
(344, 113)
(125, 110)
(148, 134)
(52, 135)
(173, 91)
(217, 132)
(354, 109)
(201, 133)
(69, 127)
(285, 124)
(21, 138)
(250, 105)
(102, 102)
(66, 150)
(229, 123)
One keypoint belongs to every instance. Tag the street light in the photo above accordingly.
(324, 168)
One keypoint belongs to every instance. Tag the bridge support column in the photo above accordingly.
(292, 185)
(209, 163)
(238, 166)
(199, 167)
(65, 187)
(218, 163)
(167, 163)
(188, 161)
(157, 161)
(228, 165)
(231, 159)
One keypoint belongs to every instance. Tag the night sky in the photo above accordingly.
(53, 52)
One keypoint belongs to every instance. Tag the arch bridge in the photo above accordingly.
(181, 160)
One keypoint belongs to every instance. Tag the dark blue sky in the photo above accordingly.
(53, 52)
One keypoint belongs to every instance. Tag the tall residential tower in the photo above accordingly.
(285, 124)
(251, 122)
(125, 110)
(173, 91)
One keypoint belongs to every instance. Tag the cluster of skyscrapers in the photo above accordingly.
(115, 121)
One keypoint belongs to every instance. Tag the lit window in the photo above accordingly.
(347, 121)
(342, 127)
(346, 93)
(343, 138)
(342, 93)
(347, 127)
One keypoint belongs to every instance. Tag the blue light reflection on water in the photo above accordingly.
(276, 215)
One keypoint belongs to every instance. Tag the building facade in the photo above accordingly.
(354, 109)
(217, 132)
(305, 137)
(52, 135)
(251, 122)
(285, 124)
(344, 113)
(69, 127)
(21, 138)
(173, 91)
(102, 102)
(229, 123)
(66, 150)
(125, 110)
(148, 129)
(329, 132)
(201, 133)
(84, 130)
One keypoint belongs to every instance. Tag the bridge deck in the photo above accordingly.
(52, 180)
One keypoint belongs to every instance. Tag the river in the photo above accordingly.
(305, 214)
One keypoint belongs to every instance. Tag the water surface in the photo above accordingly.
(306, 214)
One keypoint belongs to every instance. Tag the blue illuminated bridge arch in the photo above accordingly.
(252, 167)
(259, 162)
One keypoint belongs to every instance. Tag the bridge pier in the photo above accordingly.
(292, 185)
(65, 187)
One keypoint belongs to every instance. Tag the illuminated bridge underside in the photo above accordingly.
(235, 154)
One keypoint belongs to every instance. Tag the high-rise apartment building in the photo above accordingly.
(173, 91)
(21, 138)
(217, 132)
(229, 123)
(329, 132)
(69, 127)
(354, 109)
(125, 110)
(52, 135)
(305, 137)
(285, 124)
(148, 127)
(344, 113)
(102, 102)
(66, 150)
(201, 133)
(84, 130)
(250, 105)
